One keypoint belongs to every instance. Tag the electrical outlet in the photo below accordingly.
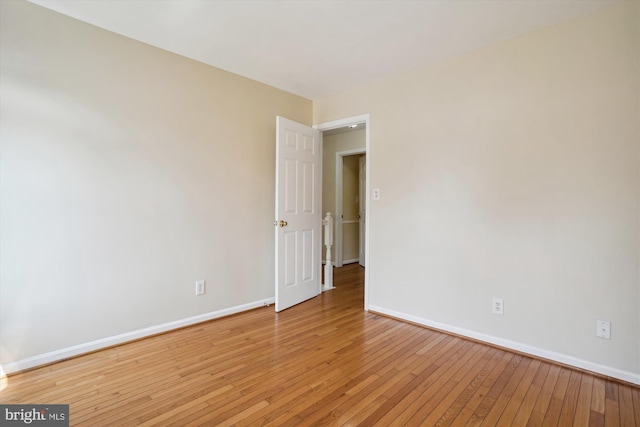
(498, 306)
(200, 287)
(376, 194)
(603, 329)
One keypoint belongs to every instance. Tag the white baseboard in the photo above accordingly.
(516, 346)
(65, 353)
(3, 378)
(351, 261)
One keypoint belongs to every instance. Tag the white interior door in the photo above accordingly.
(298, 217)
(362, 207)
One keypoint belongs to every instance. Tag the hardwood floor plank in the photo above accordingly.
(568, 411)
(236, 418)
(635, 395)
(438, 401)
(497, 399)
(391, 397)
(361, 415)
(189, 406)
(409, 405)
(596, 419)
(464, 388)
(357, 402)
(525, 410)
(433, 400)
(516, 399)
(473, 403)
(557, 398)
(583, 405)
(492, 395)
(323, 362)
(544, 398)
(598, 396)
(612, 414)
(627, 415)
(611, 405)
(407, 394)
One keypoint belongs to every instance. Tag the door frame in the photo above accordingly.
(366, 119)
(339, 221)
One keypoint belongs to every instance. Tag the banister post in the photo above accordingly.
(327, 222)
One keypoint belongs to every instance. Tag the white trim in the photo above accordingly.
(517, 346)
(351, 261)
(351, 221)
(366, 119)
(3, 378)
(339, 190)
(340, 123)
(76, 350)
(319, 201)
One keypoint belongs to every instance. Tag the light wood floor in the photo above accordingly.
(323, 362)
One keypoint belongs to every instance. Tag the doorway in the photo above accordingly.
(349, 198)
(364, 121)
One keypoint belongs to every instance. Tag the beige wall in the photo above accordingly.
(513, 172)
(332, 144)
(350, 183)
(127, 173)
(351, 230)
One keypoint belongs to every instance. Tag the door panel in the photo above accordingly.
(308, 243)
(308, 182)
(298, 216)
(289, 259)
(290, 186)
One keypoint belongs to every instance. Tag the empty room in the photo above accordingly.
(177, 247)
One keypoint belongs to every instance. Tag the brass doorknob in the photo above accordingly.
(282, 223)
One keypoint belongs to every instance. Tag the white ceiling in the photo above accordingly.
(315, 48)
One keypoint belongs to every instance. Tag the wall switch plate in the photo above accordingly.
(200, 287)
(497, 306)
(603, 329)
(376, 194)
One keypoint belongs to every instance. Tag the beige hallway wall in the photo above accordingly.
(350, 205)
